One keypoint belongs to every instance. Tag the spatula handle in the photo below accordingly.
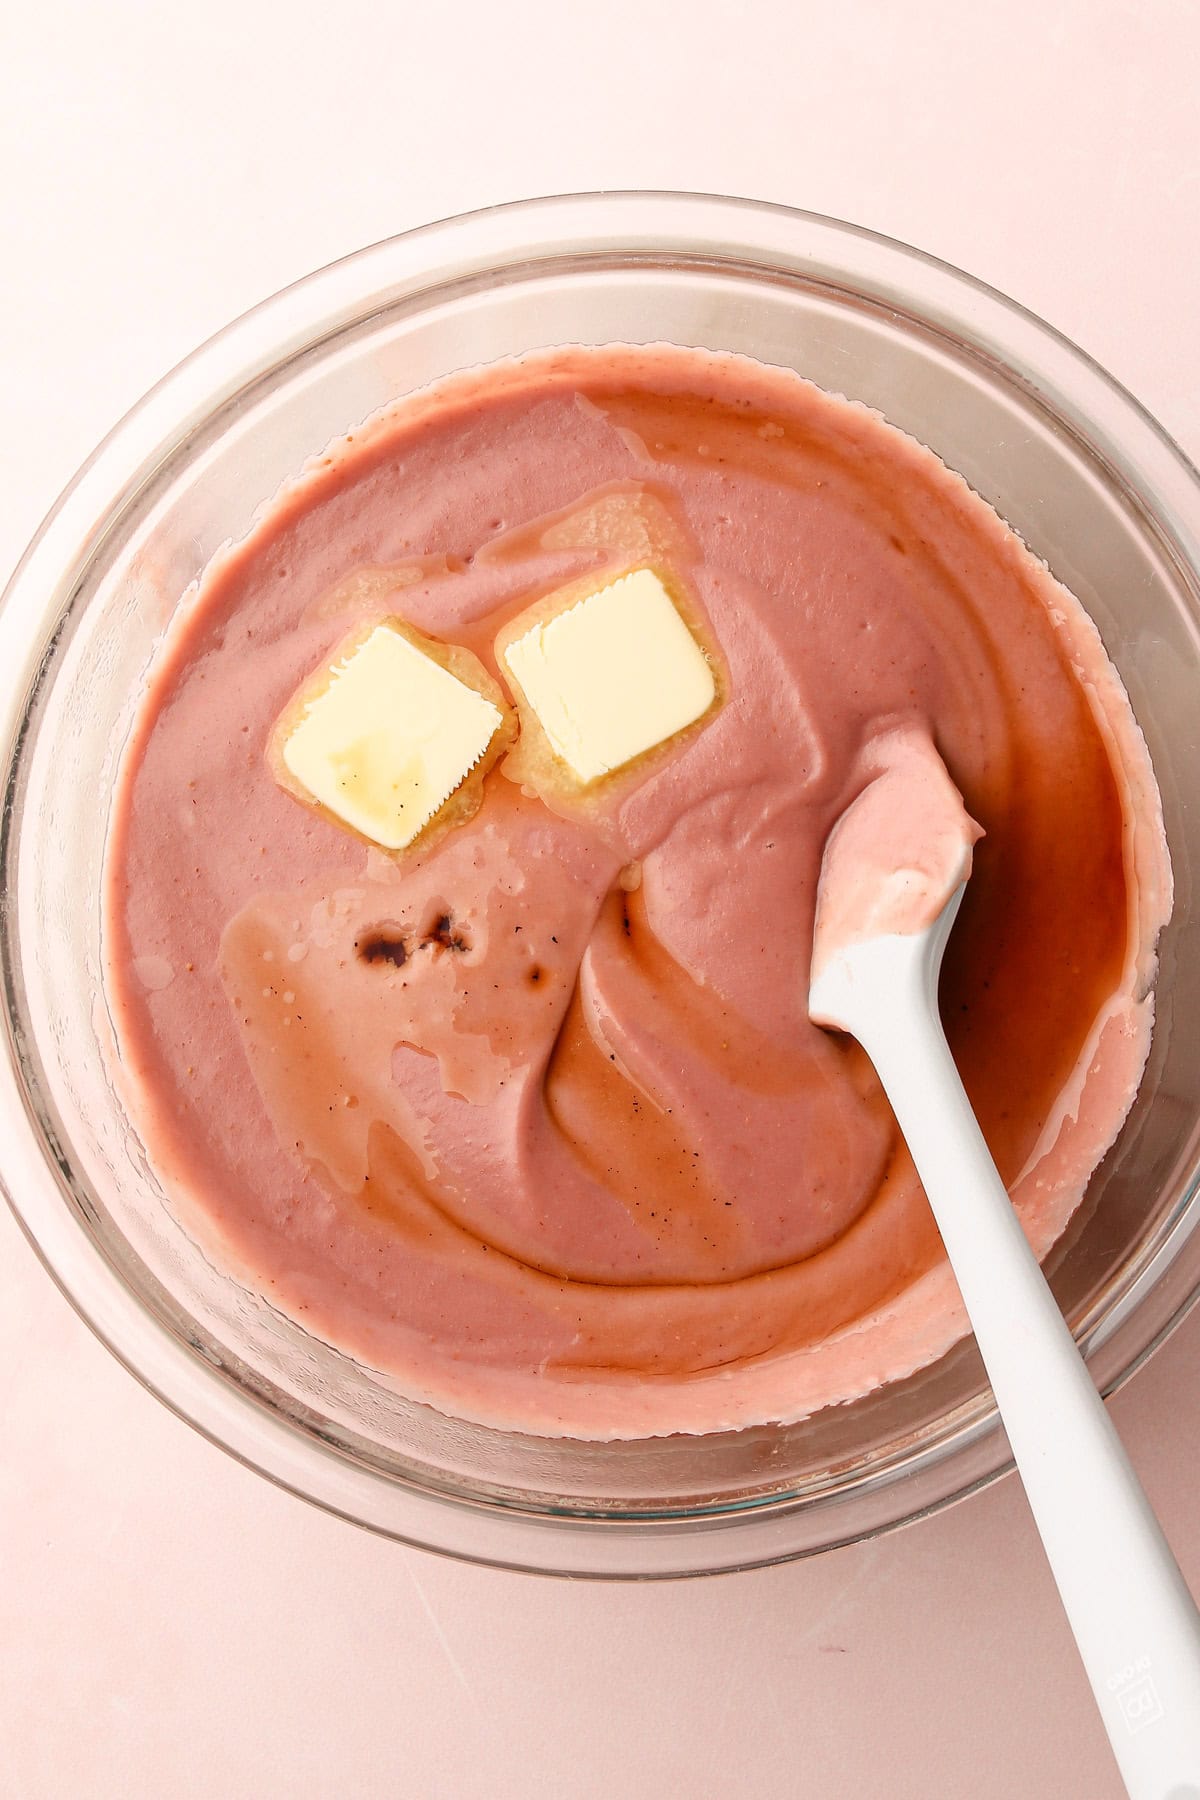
(1133, 1618)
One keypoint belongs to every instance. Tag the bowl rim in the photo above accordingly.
(523, 233)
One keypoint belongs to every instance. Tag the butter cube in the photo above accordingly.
(385, 737)
(612, 676)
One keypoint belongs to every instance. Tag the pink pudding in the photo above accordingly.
(897, 853)
(533, 1119)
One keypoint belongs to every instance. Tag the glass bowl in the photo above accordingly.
(1087, 478)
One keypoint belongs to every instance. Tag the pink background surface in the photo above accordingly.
(170, 1625)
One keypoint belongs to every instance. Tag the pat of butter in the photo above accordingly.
(612, 676)
(388, 738)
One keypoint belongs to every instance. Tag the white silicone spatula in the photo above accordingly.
(893, 876)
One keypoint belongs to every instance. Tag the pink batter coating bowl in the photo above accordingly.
(1083, 474)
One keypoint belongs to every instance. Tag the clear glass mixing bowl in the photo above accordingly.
(1089, 480)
